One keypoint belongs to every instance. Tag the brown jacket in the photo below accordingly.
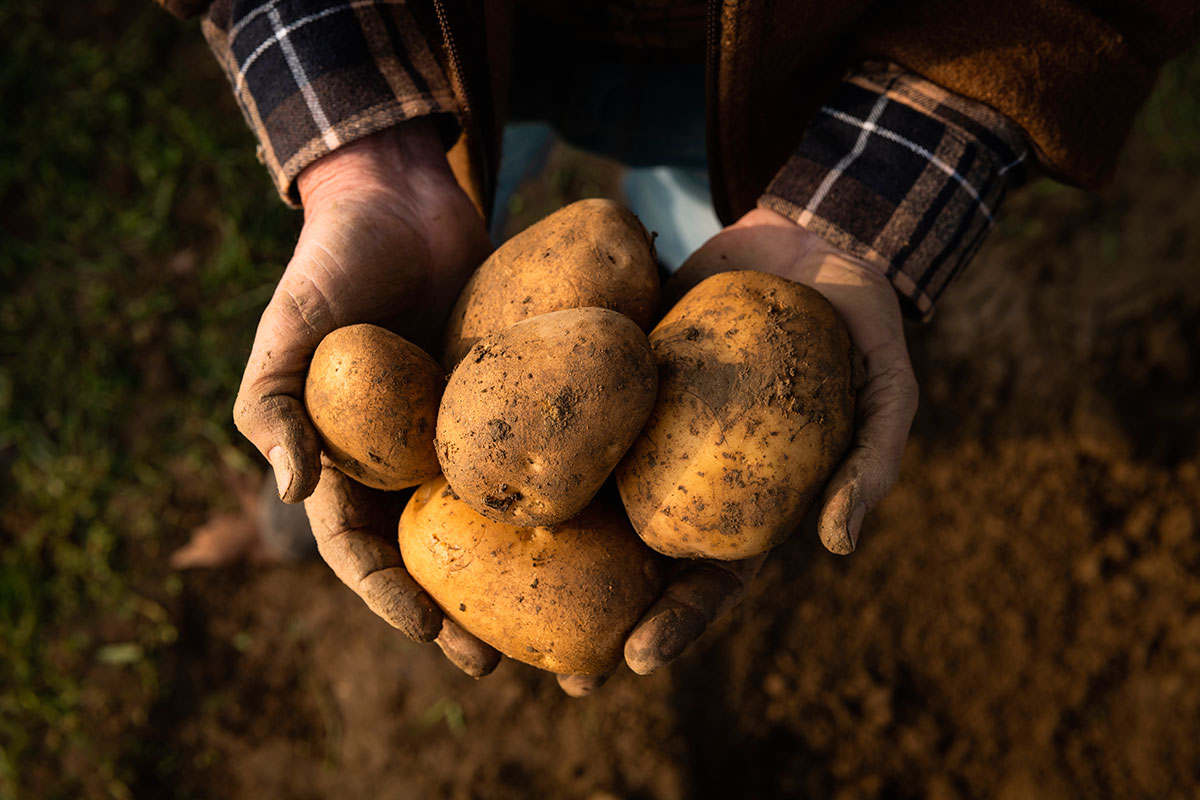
(892, 130)
(1072, 75)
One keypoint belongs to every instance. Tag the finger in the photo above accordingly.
(695, 598)
(269, 410)
(465, 651)
(582, 685)
(886, 406)
(351, 524)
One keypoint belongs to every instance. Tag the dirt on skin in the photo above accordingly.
(1021, 619)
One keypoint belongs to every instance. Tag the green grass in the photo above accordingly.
(141, 240)
(1170, 121)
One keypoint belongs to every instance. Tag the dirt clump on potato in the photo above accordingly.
(536, 417)
(592, 253)
(562, 598)
(373, 397)
(755, 409)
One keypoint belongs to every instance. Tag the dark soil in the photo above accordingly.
(1021, 619)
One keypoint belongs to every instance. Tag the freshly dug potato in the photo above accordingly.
(755, 409)
(562, 598)
(536, 416)
(373, 397)
(590, 253)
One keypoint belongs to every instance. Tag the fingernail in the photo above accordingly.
(283, 475)
(669, 636)
(581, 685)
(429, 619)
(472, 661)
(855, 523)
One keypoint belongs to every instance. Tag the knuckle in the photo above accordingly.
(878, 472)
(722, 579)
(892, 389)
(306, 306)
(868, 461)
(882, 481)
(380, 579)
(898, 379)
(907, 382)
(908, 392)
(243, 412)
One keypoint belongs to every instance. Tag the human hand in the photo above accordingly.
(389, 238)
(887, 400)
(700, 592)
(355, 529)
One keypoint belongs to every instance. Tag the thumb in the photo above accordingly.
(886, 406)
(269, 410)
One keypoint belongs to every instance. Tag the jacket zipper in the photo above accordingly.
(470, 123)
(711, 64)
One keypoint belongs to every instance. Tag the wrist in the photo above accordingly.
(401, 173)
(403, 161)
(807, 249)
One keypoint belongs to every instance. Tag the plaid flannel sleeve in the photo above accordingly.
(311, 76)
(903, 174)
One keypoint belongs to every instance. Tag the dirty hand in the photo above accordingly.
(698, 593)
(389, 238)
(702, 591)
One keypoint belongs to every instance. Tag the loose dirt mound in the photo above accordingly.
(1021, 619)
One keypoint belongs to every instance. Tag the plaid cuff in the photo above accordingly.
(903, 174)
(311, 76)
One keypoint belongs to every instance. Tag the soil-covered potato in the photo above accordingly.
(562, 598)
(536, 417)
(373, 397)
(590, 253)
(755, 409)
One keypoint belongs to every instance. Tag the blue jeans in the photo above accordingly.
(651, 119)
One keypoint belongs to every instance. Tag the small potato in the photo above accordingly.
(536, 416)
(563, 598)
(373, 397)
(755, 409)
(590, 253)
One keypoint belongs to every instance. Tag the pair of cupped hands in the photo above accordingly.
(390, 238)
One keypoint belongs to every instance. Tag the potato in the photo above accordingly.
(373, 397)
(590, 253)
(561, 598)
(755, 409)
(536, 416)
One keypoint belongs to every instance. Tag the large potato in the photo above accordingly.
(755, 409)
(590, 253)
(373, 397)
(536, 416)
(561, 598)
